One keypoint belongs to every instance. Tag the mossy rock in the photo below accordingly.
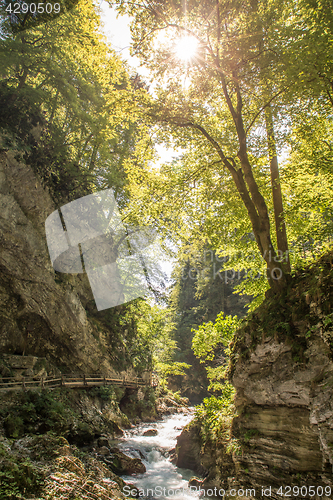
(122, 464)
(81, 435)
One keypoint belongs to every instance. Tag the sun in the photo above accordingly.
(186, 48)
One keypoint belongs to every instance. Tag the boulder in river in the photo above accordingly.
(122, 464)
(188, 449)
(172, 456)
(104, 450)
(103, 441)
(150, 432)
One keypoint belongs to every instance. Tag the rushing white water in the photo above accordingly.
(163, 480)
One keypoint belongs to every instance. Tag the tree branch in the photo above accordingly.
(237, 175)
(265, 106)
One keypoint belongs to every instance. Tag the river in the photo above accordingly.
(163, 479)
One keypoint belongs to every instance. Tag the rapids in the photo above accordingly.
(163, 479)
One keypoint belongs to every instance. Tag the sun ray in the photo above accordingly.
(186, 48)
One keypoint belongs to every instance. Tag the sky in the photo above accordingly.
(117, 31)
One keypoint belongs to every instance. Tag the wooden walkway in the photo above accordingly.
(71, 381)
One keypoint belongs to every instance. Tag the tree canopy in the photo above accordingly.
(261, 70)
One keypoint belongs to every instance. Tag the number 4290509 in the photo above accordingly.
(33, 8)
(304, 491)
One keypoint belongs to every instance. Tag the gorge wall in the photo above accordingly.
(282, 370)
(42, 313)
(285, 424)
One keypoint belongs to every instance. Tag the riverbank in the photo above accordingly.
(62, 444)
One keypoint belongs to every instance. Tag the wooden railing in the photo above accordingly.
(72, 381)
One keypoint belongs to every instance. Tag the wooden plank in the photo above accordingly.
(71, 380)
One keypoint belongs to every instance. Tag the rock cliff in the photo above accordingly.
(42, 313)
(282, 370)
(285, 425)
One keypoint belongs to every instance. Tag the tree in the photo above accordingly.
(29, 15)
(84, 95)
(211, 345)
(156, 336)
(309, 211)
(237, 83)
(69, 110)
(201, 290)
(222, 85)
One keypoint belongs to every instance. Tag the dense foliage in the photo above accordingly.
(71, 110)
(201, 290)
(259, 86)
(211, 345)
(214, 415)
(70, 103)
(262, 72)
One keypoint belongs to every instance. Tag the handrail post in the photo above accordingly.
(84, 379)
(43, 386)
(23, 384)
(62, 381)
(104, 380)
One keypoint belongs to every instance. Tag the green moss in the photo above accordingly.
(41, 363)
(107, 392)
(37, 413)
(139, 404)
(214, 416)
(81, 435)
(249, 434)
(14, 426)
(19, 476)
(289, 317)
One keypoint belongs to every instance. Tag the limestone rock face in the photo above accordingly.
(285, 414)
(39, 316)
(27, 366)
(282, 370)
(210, 460)
(188, 449)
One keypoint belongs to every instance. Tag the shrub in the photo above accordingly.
(37, 412)
(214, 415)
(19, 476)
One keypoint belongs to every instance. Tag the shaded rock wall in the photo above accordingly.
(285, 420)
(282, 370)
(18, 367)
(283, 373)
(188, 450)
(41, 314)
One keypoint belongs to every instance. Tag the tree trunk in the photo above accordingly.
(258, 213)
(22, 80)
(280, 226)
(255, 203)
